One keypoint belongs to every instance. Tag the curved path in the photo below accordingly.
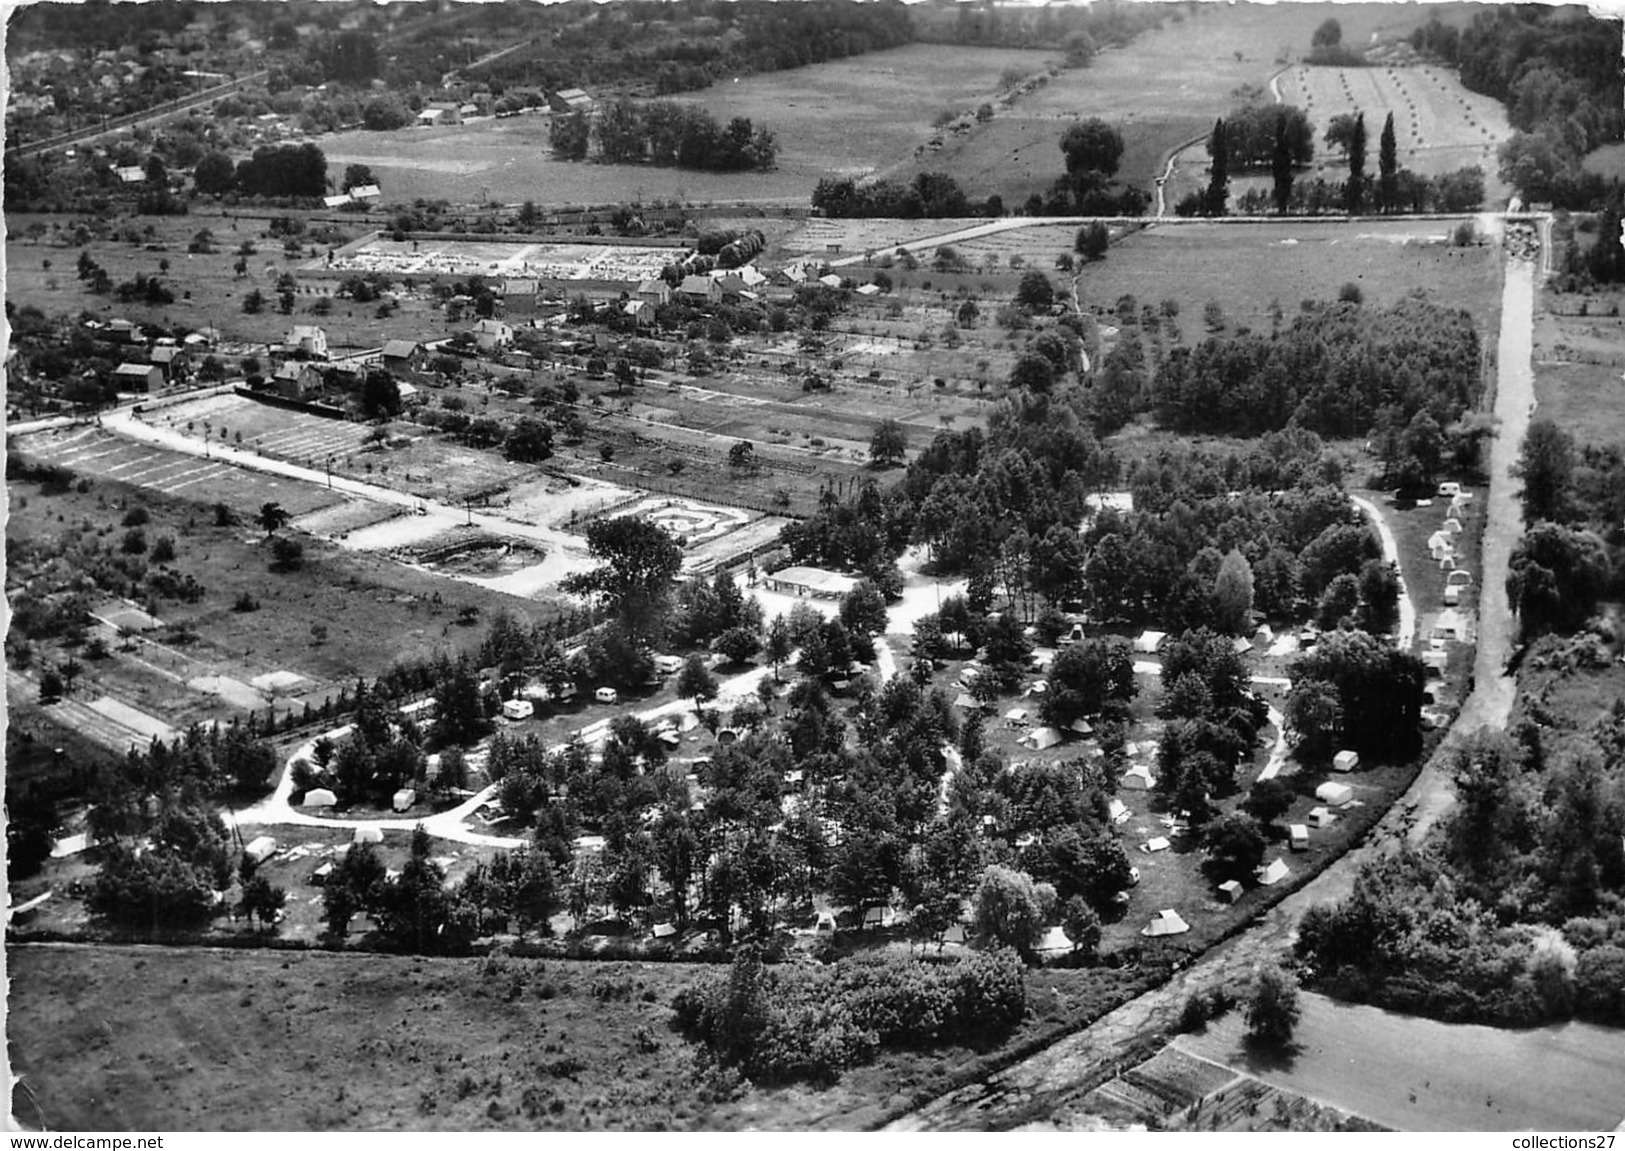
(1048, 1087)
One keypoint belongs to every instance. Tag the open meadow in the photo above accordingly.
(1580, 364)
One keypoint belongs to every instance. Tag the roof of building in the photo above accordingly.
(305, 332)
(816, 578)
(335, 201)
(132, 370)
(654, 285)
(698, 285)
(400, 349)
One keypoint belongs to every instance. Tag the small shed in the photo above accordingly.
(1166, 922)
(138, 377)
(518, 709)
(1334, 794)
(1138, 778)
(1273, 873)
(1149, 642)
(319, 797)
(1345, 761)
(1299, 834)
(403, 799)
(1231, 891)
(1321, 817)
(260, 849)
(367, 835)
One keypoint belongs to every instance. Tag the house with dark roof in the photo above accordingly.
(700, 290)
(175, 362)
(138, 377)
(296, 379)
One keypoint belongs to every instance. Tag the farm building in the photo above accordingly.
(172, 360)
(700, 289)
(1334, 794)
(440, 115)
(1345, 761)
(519, 297)
(138, 377)
(336, 201)
(365, 192)
(570, 100)
(654, 291)
(307, 338)
(404, 357)
(810, 581)
(641, 312)
(1273, 873)
(319, 797)
(492, 334)
(1166, 922)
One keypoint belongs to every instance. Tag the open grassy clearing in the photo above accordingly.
(192, 1039)
(1580, 365)
(1245, 268)
(1419, 1075)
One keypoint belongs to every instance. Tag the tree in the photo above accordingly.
(1092, 149)
(1035, 292)
(738, 644)
(641, 560)
(1268, 800)
(1081, 923)
(1314, 716)
(1272, 1007)
(1328, 35)
(1218, 187)
(742, 456)
(262, 901)
(1354, 190)
(1007, 908)
(529, 441)
(380, 395)
(1233, 594)
(1387, 167)
(287, 554)
(1556, 577)
(1281, 169)
(1546, 466)
(1340, 132)
(214, 174)
(696, 682)
(889, 444)
(1092, 241)
(1089, 678)
(779, 643)
(272, 517)
(357, 176)
(1235, 846)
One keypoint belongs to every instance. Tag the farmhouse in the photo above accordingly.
(307, 338)
(519, 297)
(654, 292)
(336, 201)
(641, 312)
(296, 380)
(492, 334)
(404, 357)
(570, 100)
(810, 581)
(173, 361)
(365, 192)
(438, 115)
(700, 289)
(138, 377)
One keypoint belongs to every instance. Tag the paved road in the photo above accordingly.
(1048, 1087)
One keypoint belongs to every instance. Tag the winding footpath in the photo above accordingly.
(1047, 1089)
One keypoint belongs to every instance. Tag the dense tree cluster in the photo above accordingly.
(279, 171)
(1332, 371)
(665, 134)
(1252, 132)
(929, 195)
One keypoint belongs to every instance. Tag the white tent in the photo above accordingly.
(518, 709)
(1043, 738)
(1345, 761)
(1081, 727)
(1334, 794)
(1138, 778)
(404, 799)
(1273, 874)
(1119, 811)
(955, 934)
(1159, 843)
(1149, 641)
(367, 835)
(1461, 577)
(319, 797)
(966, 700)
(1299, 834)
(1054, 940)
(1166, 922)
(1451, 525)
(1231, 890)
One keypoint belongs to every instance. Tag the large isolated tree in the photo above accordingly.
(1272, 1007)
(888, 446)
(1354, 190)
(1009, 908)
(1545, 464)
(1092, 149)
(640, 561)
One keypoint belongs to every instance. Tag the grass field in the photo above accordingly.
(1580, 365)
(191, 1039)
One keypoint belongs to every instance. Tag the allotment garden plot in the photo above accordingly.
(531, 261)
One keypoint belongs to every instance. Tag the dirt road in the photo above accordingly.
(1046, 1088)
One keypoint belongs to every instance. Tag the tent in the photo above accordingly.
(1043, 738)
(1345, 761)
(1159, 843)
(1461, 577)
(1264, 635)
(518, 709)
(1119, 811)
(955, 934)
(1334, 794)
(319, 876)
(1451, 626)
(260, 849)
(1451, 525)
(1138, 778)
(1231, 890)
(1149, 641)
(1321, 817)
(1081, 727)
(664, 930)
(1016, 715)
(319, 797)
(404, 799)
(825, 924)
(966, 700)
(1166, 922)
(1273, 874)
(1054, 940)
(1038, 687)
(1299, 834)
(367, 834)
